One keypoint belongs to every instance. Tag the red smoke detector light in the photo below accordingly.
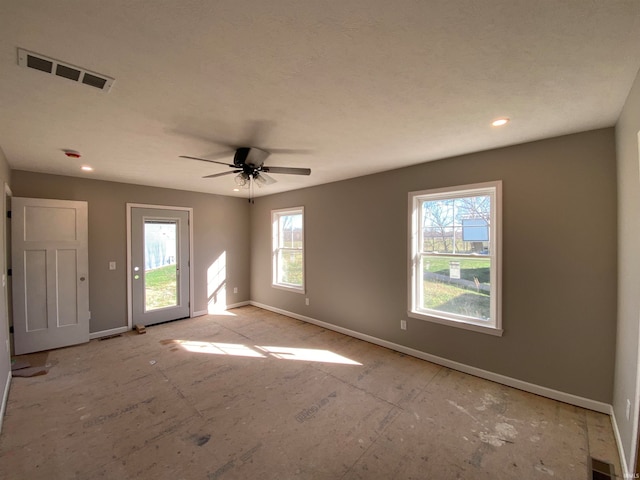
(72, 154)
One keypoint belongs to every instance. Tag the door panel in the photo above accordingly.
(159, 265)
(35, 285)
(50, 268)
(66, 281)
(53, 224)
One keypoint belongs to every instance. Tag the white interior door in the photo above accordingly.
(50, 266)
(159, 265)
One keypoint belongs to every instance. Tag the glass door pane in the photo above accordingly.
(160, 264)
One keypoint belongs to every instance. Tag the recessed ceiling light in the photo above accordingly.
(236, 189)
(86, 168)
(500, 122)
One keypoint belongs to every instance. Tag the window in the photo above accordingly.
(455, 256)
(288, 248)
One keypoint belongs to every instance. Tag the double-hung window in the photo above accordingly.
(288, 248)
(455, 254)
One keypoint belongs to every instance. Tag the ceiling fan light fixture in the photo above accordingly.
(241, 179)
(248, 168)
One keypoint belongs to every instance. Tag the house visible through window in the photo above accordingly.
(455, 256)
(288, 248)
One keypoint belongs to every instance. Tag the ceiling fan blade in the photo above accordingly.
(221, 174)
(288, 170)
(208, 160)
(268, 180)
(287, 151)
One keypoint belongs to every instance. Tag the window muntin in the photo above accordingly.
(455, 254)
(288, 248)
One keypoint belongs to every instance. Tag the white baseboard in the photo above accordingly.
(461, 367)
(5, 399)
(239, 304)
(199, 313)
(106, 333)
(616, 433)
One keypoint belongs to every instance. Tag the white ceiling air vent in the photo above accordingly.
(66, 70)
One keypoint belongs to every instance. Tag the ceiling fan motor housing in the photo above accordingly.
(249, 156)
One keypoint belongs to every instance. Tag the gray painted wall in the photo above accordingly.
(626, 367)
(220, 224)
(559, 260)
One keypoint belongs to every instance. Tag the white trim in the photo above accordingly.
(461, 367)
(635, 412)
(616, 434)
(493, 326)
(275, 237)
(106, 333)
(458, 324)
(5, 398)
(3, 262)
(189, 210)
(7, 243)
(290, 289)
(201, 313)
(238, 304)
(129, 299)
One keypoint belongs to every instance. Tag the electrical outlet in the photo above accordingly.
(306, 301)
(235, 289)
(112, 265)
(628, 408)
(403, 324)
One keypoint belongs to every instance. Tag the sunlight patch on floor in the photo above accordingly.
(258, 351)
(308, 355)
(215, 348)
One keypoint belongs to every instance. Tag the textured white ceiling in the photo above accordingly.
(355, 86)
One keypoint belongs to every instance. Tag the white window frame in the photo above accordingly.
(492, 326)
(275, 248)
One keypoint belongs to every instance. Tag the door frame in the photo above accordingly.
(189, 211)
(6, 263)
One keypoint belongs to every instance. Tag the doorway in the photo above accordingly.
(50, 265)
(159, 263)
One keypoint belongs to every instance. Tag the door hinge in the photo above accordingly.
(8, 213)
(11, 329)
(9, 272)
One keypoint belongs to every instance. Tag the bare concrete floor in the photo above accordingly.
(256, 395)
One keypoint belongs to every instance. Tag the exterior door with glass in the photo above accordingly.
(159, 265)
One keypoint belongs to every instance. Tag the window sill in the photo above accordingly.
(457, 323)
(289, 288)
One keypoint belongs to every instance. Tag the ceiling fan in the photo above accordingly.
(248, 165)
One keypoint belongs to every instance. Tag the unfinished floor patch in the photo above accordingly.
(261, 395)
